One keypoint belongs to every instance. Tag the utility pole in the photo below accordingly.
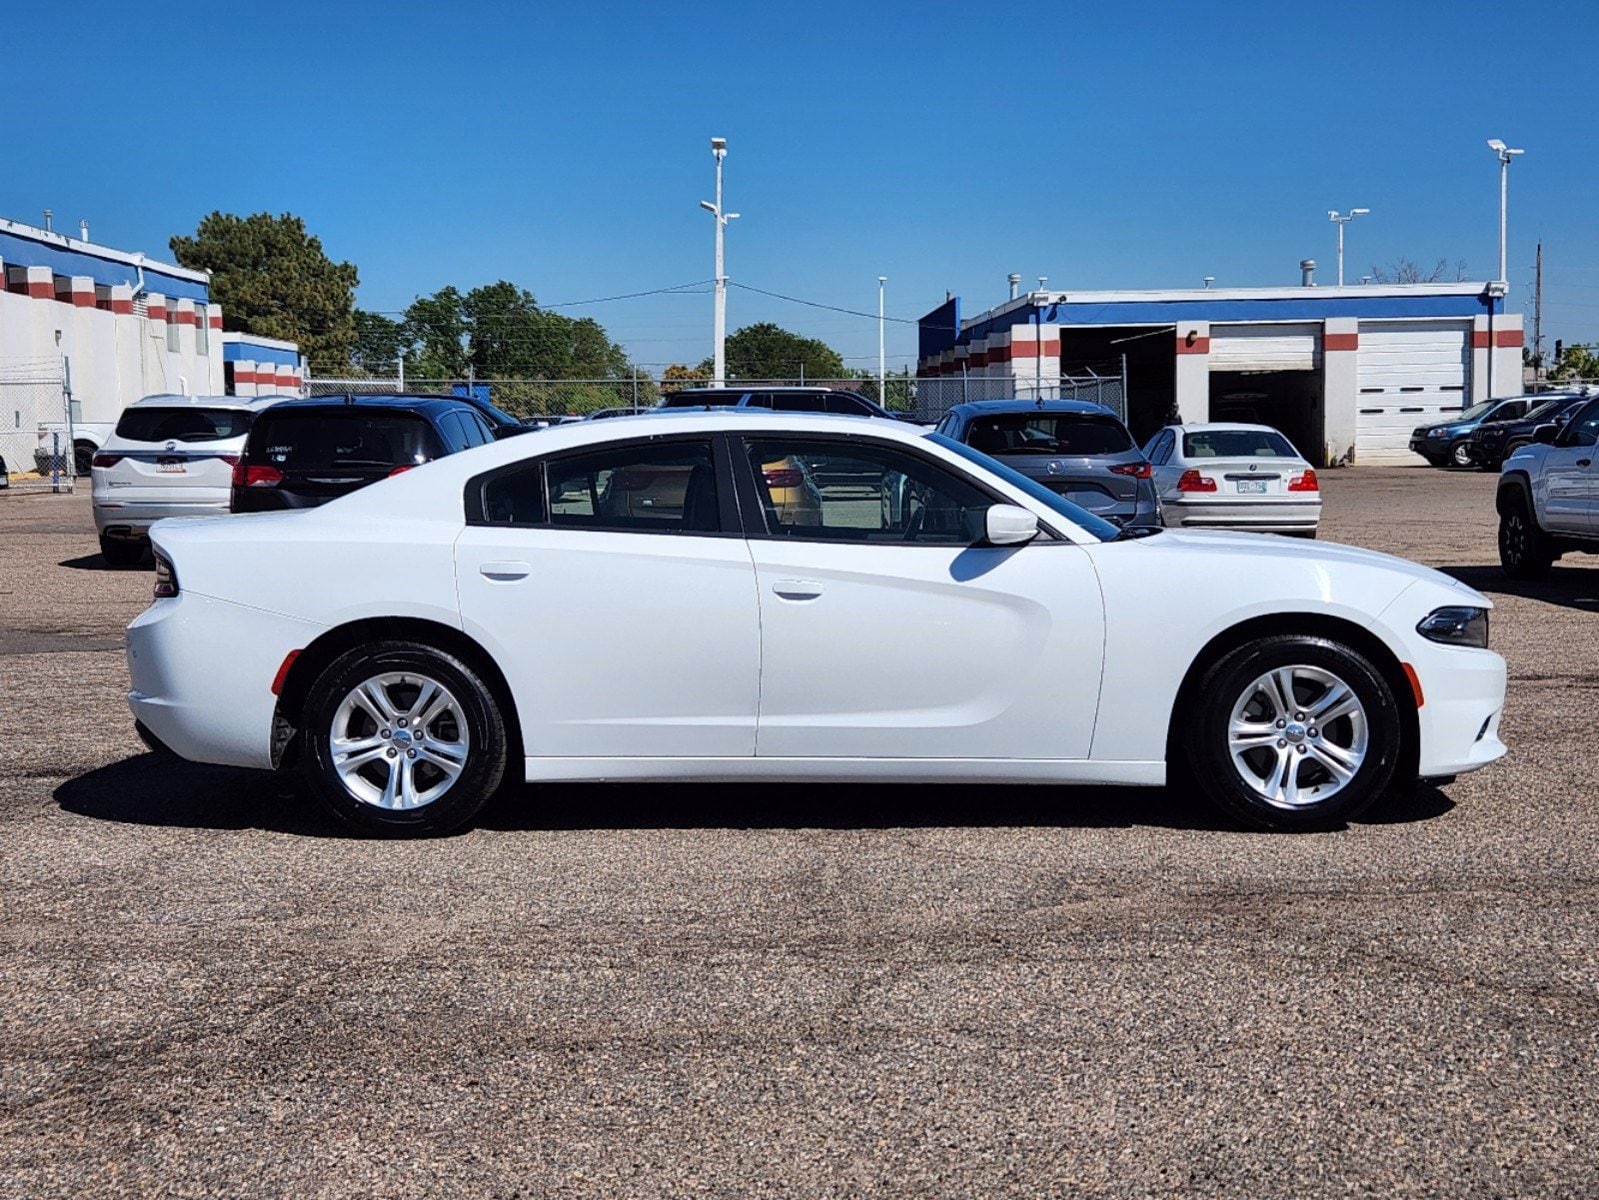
(719, 334)
(1340, 220)
(1537, 325)
(882, 354)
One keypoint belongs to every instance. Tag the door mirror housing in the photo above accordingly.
(1546, 434)
(1009, 525)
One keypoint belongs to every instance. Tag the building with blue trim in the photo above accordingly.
(1345, 372)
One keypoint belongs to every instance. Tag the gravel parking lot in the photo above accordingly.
(205, 990)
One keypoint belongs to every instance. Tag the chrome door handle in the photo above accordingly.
(797, 589)
(504, 571)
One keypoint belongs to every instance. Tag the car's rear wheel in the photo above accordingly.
(1525, 551)
(403, 739)
(1294, 733)
(1460, 455)
(1513, 448)
(121, 552)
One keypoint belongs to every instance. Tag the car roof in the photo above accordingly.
(423, 405)
(173, 400)
(977, 408)
(1223, 426)
(740, 389)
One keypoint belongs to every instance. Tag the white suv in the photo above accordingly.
(1549, 496)
(170, 456)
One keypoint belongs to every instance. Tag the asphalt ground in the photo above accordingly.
(205, 990)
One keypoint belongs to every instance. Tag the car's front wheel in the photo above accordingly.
(403, 739)
(1525, 551)
(1460, 455)
(1294, 733)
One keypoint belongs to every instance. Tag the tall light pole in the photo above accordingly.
(719, 336)
(882, 347)
(1505, 154)
(1340, 220)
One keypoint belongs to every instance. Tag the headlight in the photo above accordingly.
(1456, 627)
(1440, 433)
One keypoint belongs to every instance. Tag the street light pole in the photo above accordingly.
(1505, 154)
(719, 334)
(882, 347)
(1340, 220)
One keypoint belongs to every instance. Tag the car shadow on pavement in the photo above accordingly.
(153, 789)
(93, 562)
(1569, 587)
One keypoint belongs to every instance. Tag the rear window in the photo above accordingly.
(183, 424)
(315, 441)
(1048, 433)
(1237, 443)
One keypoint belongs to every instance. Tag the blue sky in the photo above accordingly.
(565, 147)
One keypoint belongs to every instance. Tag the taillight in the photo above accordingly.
(245, 475)
(231, 459)
(1193, 481)
(104, 459)
(1304, 483)
(166, 578)
(401, 469)
(784, 478)
(1138, 470)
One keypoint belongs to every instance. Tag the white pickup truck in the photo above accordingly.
(1548, 496)
(82, 439)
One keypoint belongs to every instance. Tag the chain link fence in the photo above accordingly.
(36, 427)
(924, 399)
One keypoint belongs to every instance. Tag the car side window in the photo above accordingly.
(664, 487)
(476, 429)
(449, 426)
(1583, 429)
(856, 491)
(846, 406)
(758, 400)
(1160, 448)
(801, 403)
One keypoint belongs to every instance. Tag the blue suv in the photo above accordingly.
(1448, 443)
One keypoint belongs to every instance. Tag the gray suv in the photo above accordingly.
(1547, 500)
(1078, 450)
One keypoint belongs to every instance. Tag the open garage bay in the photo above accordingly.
(607, 990)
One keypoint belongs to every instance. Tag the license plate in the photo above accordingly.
(1255, 486)
(170, 466)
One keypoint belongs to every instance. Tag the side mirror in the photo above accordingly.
(1546, 434)
(1009, 525)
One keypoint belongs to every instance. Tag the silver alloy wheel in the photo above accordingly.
(1297, 736)
(399, 740)
(1461, 455)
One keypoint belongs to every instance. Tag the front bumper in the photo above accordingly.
(1464, 693)
(202, 673)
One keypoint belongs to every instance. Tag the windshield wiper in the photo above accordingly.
(1131, 533)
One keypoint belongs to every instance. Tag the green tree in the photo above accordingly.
(435, 336)
(273, 279)
(1577, 362)
(768, 351)
(380, 342)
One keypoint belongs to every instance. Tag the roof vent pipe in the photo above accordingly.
(49, 221)
(1015, 285)
(83, 231)
(1307, 271)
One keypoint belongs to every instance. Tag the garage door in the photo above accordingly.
(1409, 373)
(1265, 347)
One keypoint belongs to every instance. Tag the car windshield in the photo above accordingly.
(317, 441)
(1237, 443)
(1081, 517)
(1048, 433)
(1548, 408)
(1478, 410)
(183, 423)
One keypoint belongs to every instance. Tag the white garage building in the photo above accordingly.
(1346, 372)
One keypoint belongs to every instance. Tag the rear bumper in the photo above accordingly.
(1271, 515)
(202, 711)
(124, 519)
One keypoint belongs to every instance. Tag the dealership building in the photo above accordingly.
(120, 325)
(1345, 372)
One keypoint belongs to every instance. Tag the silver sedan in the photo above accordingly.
(1230, 476)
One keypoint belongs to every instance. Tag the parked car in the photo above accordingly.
(511, 613)
(1494, 441)
(1231, 476)
(780, 399)
(5, 473)
(501, 423)
(306, 452)
(1078, 450)
(169, 456)
(625, 410)
(1448, 443)
(1548, 498)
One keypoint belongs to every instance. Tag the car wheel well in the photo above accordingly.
(1356, 637)
(1511, 485)
(314, 659)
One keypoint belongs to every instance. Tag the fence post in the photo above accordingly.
(66, 405)
(399, 381)
(635, 387)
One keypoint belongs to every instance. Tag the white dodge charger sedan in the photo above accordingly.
(735, 595)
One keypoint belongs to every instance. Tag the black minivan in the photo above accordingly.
(302, 453)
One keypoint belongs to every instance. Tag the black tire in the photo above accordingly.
(121, 552)
(1230, 682)
(1460, 456)
(1522, 444)
(82, 458)
(1525, 550)
(484, 740)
